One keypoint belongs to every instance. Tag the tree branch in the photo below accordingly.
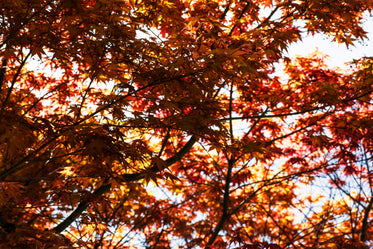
(225, 215)
(225, 11)
(80, 208)
(364, 226)
(2, 72)
(157, 168)
(15, 80)
(240, 16)
(125, 178)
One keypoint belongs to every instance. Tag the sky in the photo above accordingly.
(338, 53)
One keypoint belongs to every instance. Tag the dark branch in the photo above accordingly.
(125, 178)
(14, 80)
(225, 215)
(79, 209)
(156, 168)
(364, 226)
(2, 72)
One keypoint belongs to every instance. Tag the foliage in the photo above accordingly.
(158, 124)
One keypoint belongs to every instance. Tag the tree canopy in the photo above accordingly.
(183, 124)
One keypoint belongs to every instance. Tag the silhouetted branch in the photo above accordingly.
(125, 178)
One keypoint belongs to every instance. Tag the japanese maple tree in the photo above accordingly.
(183, 124)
